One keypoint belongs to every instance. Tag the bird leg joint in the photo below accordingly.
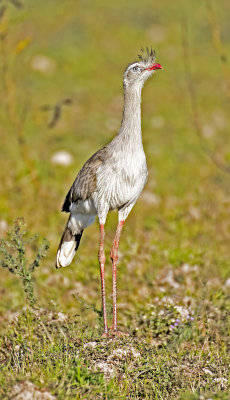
(101, 256)
(114, 252)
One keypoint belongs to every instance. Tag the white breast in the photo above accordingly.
(121, 181)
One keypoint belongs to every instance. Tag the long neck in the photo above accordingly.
(130, 129)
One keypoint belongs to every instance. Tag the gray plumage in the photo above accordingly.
(114, 176)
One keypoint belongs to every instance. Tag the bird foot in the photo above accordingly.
(105, 335)
(118, 334)
(113, 333)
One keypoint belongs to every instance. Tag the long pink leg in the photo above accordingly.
(101, 258)
(114, 258)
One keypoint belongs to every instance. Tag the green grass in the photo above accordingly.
(174, 252)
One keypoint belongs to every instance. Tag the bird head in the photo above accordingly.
(138, 72)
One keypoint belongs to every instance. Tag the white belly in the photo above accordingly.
(82, 214)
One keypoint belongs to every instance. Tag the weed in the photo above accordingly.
(13, 252)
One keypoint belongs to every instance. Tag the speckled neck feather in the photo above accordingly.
(130, 129)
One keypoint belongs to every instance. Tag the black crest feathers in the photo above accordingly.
(148, 55)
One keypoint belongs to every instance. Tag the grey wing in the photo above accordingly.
(86, 181)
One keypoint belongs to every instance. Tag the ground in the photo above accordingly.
(61, 100)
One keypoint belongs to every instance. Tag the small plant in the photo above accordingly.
(13, 252)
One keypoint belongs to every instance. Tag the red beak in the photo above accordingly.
(154, 66)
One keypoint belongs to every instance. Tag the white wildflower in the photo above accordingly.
(43, 64)
(62, 157)
(184, 313)
(61, 317)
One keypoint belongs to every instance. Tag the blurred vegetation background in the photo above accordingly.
(61, 91)
(75, 53)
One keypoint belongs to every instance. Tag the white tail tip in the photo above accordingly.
(66, 254)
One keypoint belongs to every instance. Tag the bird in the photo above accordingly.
(112, 179)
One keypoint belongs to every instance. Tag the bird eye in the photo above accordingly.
(136, 69)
